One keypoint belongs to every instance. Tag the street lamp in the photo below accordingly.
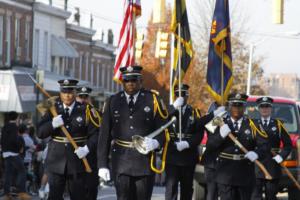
(290, 35)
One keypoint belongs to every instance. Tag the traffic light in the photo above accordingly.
(139, 43)
(161, 48)
(278, 11)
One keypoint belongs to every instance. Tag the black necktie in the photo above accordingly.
(131, 102)
(236, 126)
(67, 112)
(265, 124)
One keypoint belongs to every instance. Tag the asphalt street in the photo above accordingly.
(108, 193)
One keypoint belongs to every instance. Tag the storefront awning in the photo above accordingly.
(62, 48)
(17, 92)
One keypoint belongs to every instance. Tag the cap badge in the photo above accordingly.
(129, 69)
(84, 89)
(238, 96)
(66, 82)
(265, 99)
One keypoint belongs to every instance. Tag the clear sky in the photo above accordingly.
(282, 54)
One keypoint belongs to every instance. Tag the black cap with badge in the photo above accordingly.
(67, 85)
(237, 99)
(184, 90)
(131, 72)
(83, 91)
(264, 102)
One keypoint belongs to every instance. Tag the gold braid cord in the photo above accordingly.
(164, 155)
(90, 116)
(157, 108)
(261, 133)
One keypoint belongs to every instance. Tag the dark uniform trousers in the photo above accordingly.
(63, 165)
(92, 179)
(235, 175)
(179, 174)
(131, 170)
(277, 134)
(134, 188)
(208, 160)
(180, 166)
(211, 185)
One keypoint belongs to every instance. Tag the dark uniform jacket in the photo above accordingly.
(119, 124)
(208, 157)
(237, 172)
(276, 134)
(61, 156)
(10, 140)
(192, 132)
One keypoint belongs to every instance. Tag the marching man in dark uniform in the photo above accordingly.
(63, 163)
(208, 160)
(276, 134)
(182, 155)
(92, 179)
(235, 172)
(134, 111)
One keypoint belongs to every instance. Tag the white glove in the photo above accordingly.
(182, 145)
(278, 159)
(104, 174)
(81, 152)
(57, 121)
(178, 102)
(219, 110)
(251, 155)
(224, 130)
(150, 144)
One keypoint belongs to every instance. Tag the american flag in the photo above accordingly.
(125, 51)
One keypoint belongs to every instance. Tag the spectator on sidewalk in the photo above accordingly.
(29, 145)
(12, 146)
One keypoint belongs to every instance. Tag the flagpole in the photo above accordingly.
(171, 69)
(179, 77)
(133, 31)
(222, 76)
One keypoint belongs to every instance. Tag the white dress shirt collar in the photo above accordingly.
(239, 121)
(70, 107)
(135, 96)
(268, 120)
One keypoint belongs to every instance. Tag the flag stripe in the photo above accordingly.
(125, 51)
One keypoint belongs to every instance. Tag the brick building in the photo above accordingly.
(15, 33)
(95, 62)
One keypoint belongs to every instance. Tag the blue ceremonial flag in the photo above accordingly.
(219, 65)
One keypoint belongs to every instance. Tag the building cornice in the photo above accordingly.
(50, 10)
(17, 4)
(80, 29)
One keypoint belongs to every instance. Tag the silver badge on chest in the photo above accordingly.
(274, 128)
(147, 109)
(247, 131)
(79, 119)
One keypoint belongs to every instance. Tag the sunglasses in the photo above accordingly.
(130, 80)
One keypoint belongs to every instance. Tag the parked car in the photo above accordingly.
(289, 112)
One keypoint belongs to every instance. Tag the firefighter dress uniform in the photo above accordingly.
(125, 116)
(277, 134)
(235, 171)
(63, 165)
(181, 161)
